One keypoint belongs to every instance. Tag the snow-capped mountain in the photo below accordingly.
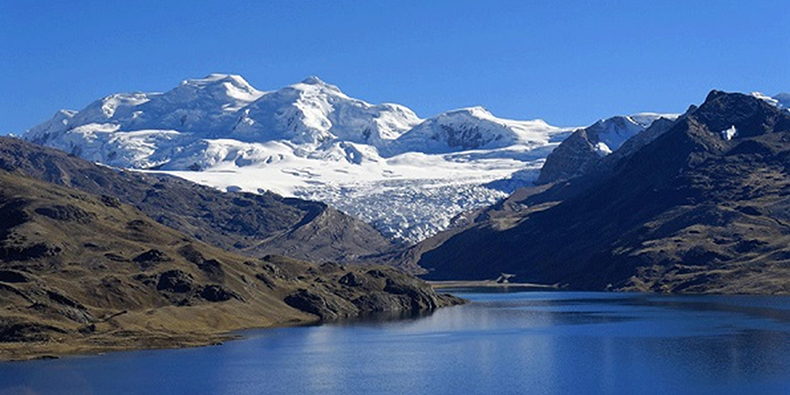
(314, 112)
(586, 146)
(607, 135)
(471, 128)
(382, 163)
(200, 106)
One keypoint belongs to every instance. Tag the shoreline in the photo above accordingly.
(107, 343)
(91, 346)
(485, 284)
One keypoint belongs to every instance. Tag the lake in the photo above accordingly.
(501, 343)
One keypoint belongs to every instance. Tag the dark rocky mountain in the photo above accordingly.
(250, 224)
(633, 144)
(84, 273)
(572, 158)
(703, 207)
(586, 148)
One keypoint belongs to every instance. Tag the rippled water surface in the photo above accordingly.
(502, 343)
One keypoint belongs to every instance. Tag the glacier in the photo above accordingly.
(406, 175)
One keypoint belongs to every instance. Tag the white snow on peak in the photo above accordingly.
(313, 112)
(645, 119)
(59, 122)
(768, 99)
(781, 100)
(205, 106)
(380, 162)
(230, 89)
(313, 80)
(609, 134)
(472, 128)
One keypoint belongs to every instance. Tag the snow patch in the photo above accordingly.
(602, 149)
(729, 134)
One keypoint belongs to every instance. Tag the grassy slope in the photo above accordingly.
(83, 273)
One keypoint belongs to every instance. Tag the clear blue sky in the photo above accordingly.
(568, 62)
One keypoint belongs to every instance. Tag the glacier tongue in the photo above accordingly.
(407, 197)
(380, 162)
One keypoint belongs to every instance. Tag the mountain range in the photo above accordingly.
(107, 243)
(698, 204)
(405, 175)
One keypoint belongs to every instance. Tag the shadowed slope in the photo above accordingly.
(695, 210)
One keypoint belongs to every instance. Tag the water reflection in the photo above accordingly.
(503, 343)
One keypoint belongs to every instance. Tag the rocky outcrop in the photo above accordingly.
(215, 293)
(572, 158)
(175, 281)
(365, 291)
(587, 148)
(25, 332)
(324, 306)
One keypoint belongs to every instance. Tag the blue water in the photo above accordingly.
(502, 343)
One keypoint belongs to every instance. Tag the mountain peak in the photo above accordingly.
(223, 87)
(731, 100)
(313, 80)
(475, 112)
(314, 83)
(727, 101)
(219, 78)
(750, 115)
(713, 95)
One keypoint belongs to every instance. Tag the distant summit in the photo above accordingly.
(585, 147)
